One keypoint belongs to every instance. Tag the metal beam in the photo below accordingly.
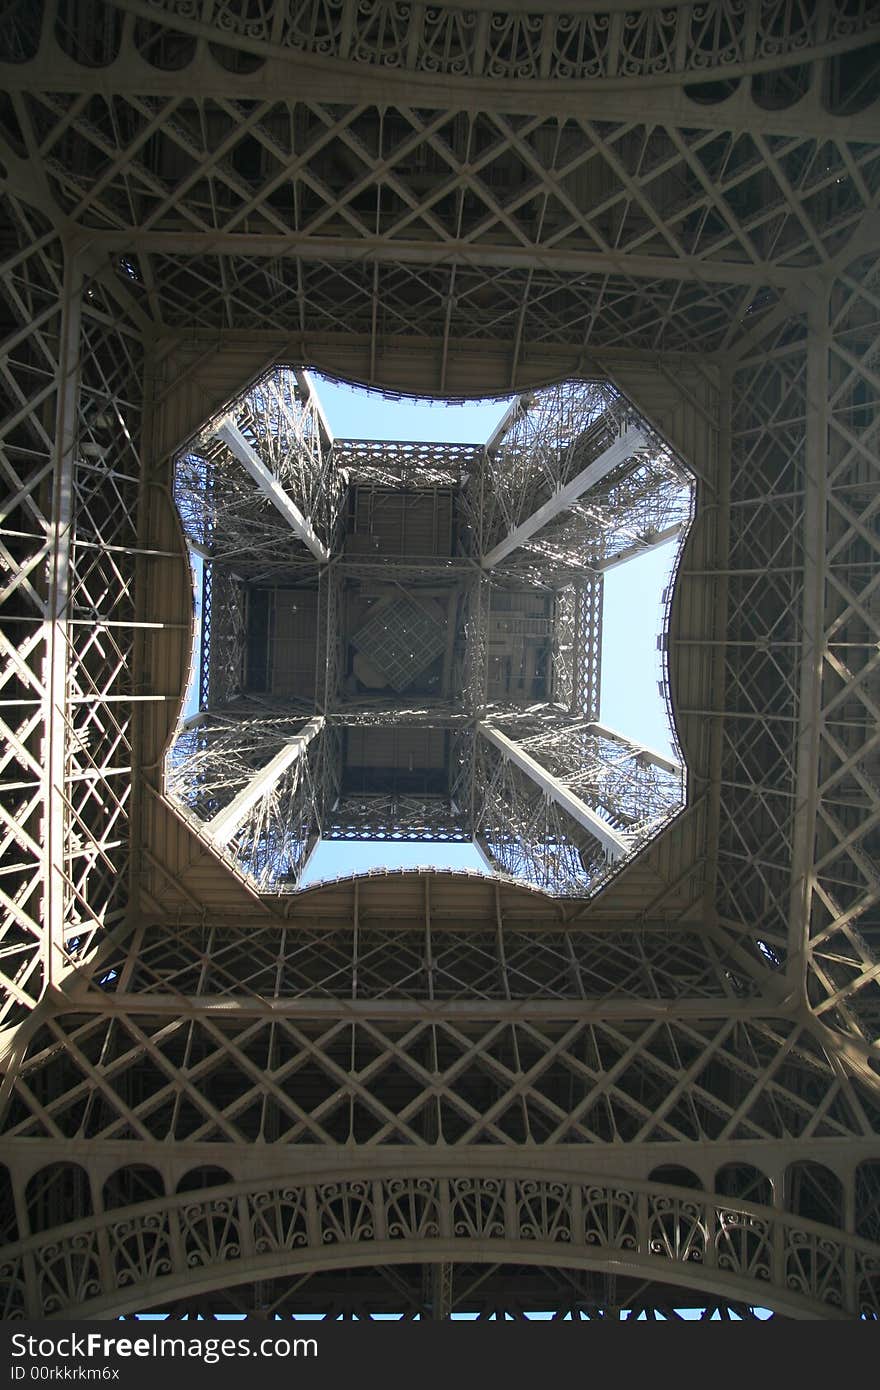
(650, 755)
(614, 844)
(223, 826)
(449, 252)
(310, 395)
(311, 1006)
(659, 103)
(230, 435)
(481, 845)
(641, 546)
(55, 623)
(812, 626)
(511, 414)
(611, 458)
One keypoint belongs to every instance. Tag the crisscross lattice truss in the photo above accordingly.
(674, 207)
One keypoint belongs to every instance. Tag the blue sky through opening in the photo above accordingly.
(632, 616)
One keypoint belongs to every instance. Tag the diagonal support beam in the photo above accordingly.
(617, 453)
(614, 844)
(641, 546)
(230, 435)
(223, 826)
(310, 396)
(649, 755)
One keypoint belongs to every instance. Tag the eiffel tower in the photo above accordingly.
(635, 1069)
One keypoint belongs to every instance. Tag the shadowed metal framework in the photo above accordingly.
(432, 1093)
(457, 591)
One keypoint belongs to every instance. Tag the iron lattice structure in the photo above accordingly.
(451, 572)
(666, 1093)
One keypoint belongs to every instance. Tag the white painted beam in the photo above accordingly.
(481, 845)
(223, 826)
(230, 435)
(309, 393)
(641, 546)
(649, 755)
(610, 458)
(193, 721)
(614, 844)
(508, 419)
(198, 549)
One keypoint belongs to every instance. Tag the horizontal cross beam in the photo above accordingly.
(491, 1010)
(448, 252)
(230, 435)
(617, 453)
(223, 826)
(614, 844)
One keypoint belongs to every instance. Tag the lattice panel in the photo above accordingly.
(281, 417)
(845, 965)
(226, 514)
(31, 289)
(401, 640)
(206, 1077)
(762, 638)
(107, 480)
(475, 963)
(429, 819)
(668, 192)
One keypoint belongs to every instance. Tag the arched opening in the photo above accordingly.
(675, 1175)
(779, 88)
(136, 1182)
(745, 1183)
(163, 48)
(815, 1192)
(849, 80)
(89, 31)
(201, 1178)
(58, 1193)
(867, 1200)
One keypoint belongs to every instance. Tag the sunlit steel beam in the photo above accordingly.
(649, 755)
(617, 453)
(614, 844)
(221, 829)
(642, 546)
(230, 435)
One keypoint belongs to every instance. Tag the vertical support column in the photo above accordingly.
(440, 1295)
(803, 828)
(850, 1298)
(55, 624)
(721, 586)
